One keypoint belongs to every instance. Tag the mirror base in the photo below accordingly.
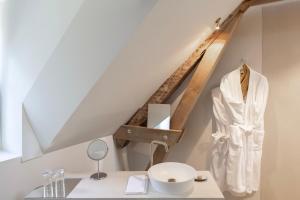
(98, 176)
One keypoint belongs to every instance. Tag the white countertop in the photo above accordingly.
(114, 186)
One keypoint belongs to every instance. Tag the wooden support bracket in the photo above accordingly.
(147, 135)
(165, 90)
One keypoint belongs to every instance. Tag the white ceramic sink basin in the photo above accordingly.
(172, 177)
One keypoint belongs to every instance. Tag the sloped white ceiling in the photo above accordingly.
(168, 35)
(96, 35)
(84, 92)
(30, 32)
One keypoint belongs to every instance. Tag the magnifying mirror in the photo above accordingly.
(97, 150)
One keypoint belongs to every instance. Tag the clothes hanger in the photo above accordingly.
(244, 77)
(243, 66)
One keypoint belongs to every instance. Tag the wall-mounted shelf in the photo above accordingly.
(146, 135)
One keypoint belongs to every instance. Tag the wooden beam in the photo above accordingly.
(166, 89)
(203, 72)
(174, 81)
(207, 65)
(199, 80)
(147, 135)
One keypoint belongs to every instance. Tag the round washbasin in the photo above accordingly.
(172, 177)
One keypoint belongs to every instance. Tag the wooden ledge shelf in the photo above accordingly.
(147, 135)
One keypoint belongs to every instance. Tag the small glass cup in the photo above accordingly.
(60, 190)
(47, 184)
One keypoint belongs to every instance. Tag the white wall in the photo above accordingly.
(2, 40)
(2, 44)
(30, 145)
(33, 30)
(281, 64)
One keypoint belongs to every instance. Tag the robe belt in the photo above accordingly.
(222, 137)
(248, 132)
(248, 129)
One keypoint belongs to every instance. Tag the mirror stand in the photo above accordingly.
(98, 175)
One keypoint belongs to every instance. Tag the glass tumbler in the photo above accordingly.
(60, 190)
(47, 184)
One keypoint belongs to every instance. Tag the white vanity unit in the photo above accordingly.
(115, 184)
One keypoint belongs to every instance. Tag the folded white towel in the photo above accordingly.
(137, 184)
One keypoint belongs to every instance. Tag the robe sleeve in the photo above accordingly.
(220, 115)
(220, 140)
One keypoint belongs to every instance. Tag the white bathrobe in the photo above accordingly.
(237, 145)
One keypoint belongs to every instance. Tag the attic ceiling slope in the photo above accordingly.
(31, 31)
(165, 39)
(96, 35)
